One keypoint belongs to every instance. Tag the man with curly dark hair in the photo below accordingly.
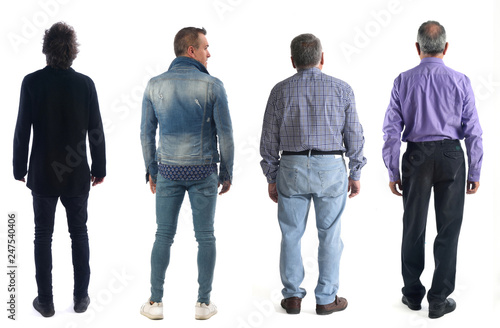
(62, 108)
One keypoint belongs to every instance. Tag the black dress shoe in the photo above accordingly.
(45, 309)
(291, 305)
(412, 306)
(438, 310)
(81, 304)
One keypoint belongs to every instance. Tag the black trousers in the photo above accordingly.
(438, 165)
(76, 213)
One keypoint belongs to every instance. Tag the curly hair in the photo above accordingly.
(60, 46)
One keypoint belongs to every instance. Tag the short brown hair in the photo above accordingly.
(60, 46)
(187, 37)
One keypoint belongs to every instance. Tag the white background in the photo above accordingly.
(366, 43)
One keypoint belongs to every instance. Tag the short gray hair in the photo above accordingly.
(306, 51)
(431, 38)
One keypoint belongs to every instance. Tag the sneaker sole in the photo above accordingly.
(152, 317)
(205, 317)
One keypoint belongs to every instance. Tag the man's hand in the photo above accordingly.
(472, 187)
(22, 180)
(226, 185)
(95, 181)
(396, 187)
(353, 187)
(152, 185)
(273, 192)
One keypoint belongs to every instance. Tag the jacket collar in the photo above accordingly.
(186, 61)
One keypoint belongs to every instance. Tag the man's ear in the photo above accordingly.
(293, 63)
(445, 48)
(190, 52)
(418, 48)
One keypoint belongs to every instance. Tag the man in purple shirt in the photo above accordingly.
(433, 106)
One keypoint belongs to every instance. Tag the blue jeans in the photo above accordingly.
(169, 197)
(323, 179)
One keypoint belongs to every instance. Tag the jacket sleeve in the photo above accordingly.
(96, 136)
(224, 133)
(149, 124)
(22, 133)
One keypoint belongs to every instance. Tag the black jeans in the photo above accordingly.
(438, 165)
(76, 212)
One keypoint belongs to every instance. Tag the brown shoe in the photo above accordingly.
(339, 304)
(291, 305)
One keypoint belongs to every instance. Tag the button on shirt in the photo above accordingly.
(311, 110)
(432, 102)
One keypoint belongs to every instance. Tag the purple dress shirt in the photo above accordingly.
(432, 102)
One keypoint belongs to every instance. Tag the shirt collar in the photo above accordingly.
(432, 60)
(186, 61)
(311, 70)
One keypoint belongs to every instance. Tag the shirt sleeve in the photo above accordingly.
(353, 139)
(270, 141)
(393, 126)
(472, 134)
(149, 124)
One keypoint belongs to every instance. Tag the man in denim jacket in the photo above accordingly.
(191, 109)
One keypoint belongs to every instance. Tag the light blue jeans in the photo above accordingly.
(169, 197)
(323, 179)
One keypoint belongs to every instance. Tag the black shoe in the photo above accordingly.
(438, 310)
(412, 306)
(45, 309)
(81, 305)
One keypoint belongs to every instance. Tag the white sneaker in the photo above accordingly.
(203, 311)
(154, 311)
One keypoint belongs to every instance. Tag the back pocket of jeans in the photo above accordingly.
(287, 181)
(333, 183)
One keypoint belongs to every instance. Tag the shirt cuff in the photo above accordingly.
(355, 175)
(394, 176)
(271, 178)
(473, 176)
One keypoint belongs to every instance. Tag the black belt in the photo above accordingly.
(313, 152)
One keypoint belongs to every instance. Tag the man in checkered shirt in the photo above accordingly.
(311, 119)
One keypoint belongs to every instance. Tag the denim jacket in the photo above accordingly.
(191, 108)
